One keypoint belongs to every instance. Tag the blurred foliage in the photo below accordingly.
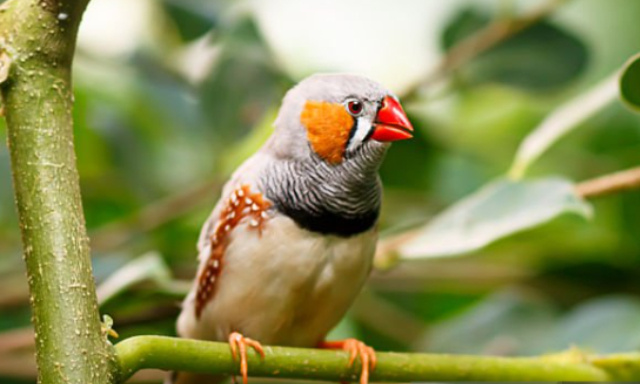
(541, 58)
(629, 82)
(189, 104)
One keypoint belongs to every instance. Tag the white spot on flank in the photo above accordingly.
(63, 16)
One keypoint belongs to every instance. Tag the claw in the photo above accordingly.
(356, 348)
(238, 345)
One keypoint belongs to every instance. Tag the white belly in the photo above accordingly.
(287, 286)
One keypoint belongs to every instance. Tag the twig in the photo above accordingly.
(15, 290)
(387, 256)
(19, 366)
(446, 274)
(15, 339)
(481, 41)
(215, 358)
(608, 184)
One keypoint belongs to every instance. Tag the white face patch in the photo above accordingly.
(363, 126)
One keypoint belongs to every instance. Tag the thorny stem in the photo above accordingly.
(37, 41)
(215, 358)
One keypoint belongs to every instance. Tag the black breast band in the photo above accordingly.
(331, 223)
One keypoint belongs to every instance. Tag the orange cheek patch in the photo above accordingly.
(328, 126)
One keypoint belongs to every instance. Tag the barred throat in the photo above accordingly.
(341, 200)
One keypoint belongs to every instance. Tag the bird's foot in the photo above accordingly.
(356, 348)
(239, 344)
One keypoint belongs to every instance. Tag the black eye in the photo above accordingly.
(355, 107)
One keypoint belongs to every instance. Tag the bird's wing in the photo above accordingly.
(212, 241)
(246, 174)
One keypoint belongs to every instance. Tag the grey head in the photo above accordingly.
(330, 116)
(330, 137)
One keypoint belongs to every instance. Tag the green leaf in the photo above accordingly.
(630, 83)
(505, 323)
(464, 24)
(542, 57)
(500, 209)
(192, 18)
(562, 121)
(514, 322)
(603, 325)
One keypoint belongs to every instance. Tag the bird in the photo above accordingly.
(290, 243)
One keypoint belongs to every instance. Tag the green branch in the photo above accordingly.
(37, 40)
(209, 357)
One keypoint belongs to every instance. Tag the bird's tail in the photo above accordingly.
(193, 378)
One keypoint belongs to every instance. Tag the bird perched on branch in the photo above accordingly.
(291, 241)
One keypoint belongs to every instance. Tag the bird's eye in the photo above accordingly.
(355, 107)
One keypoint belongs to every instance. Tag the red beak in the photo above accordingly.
(391, 123)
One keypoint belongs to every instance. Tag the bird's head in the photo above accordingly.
(335, 116)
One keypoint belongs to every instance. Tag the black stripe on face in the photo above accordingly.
(352, 132)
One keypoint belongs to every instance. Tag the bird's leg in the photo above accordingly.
(238, 345)
(356, 348)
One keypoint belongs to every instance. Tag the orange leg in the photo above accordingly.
(239, 343)
(356, 348)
